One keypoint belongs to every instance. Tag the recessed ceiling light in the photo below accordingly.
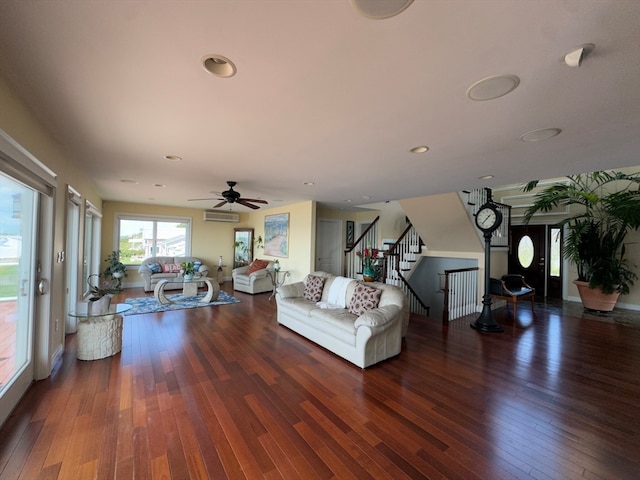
(542, 134)
(366, 197)
(420, 149)
(159, 185)
(492, 87)
(173, 158)
(126, 180)
(348, 201)
(219, 65)
(309, 183)
(485, 177)
(380, 10)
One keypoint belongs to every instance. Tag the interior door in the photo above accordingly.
(527, 256)
(329, 246)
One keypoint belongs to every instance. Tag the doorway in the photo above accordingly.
(536, 253)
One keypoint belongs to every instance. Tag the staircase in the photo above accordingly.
(395, 262)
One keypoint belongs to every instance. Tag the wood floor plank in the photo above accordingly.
(226, 393)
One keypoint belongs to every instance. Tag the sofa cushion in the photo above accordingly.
(155, 267)
(313, 288)
(364, 298)
(299, 305)
(257, 265)
(171, 268)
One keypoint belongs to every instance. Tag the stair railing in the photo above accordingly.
(399, 261)
(352, 265)
(460, 288)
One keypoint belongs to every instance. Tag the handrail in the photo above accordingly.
(363, 235)
(447, 273)
(413, 293)
(402, 235)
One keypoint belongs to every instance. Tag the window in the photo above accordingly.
(140, 237)
(555, 255)
(525, 251)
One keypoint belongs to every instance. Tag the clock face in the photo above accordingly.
(487, 219)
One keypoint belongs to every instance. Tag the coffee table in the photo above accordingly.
(99, 334)
(189, 289)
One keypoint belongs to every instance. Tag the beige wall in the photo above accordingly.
(302, 237)
(20, 124)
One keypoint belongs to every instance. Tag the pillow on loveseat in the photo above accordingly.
(257, 265)
(364, 298)
(155, 267)
(313, 288)
(171, 268)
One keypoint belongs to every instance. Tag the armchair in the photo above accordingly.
(253, 278)
(512, 288)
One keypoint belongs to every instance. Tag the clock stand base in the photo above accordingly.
(486, 323)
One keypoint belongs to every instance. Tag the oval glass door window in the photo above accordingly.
(525, 251)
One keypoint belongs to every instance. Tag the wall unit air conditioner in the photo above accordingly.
(213, 216)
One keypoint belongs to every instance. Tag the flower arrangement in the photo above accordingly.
(368, 255)
(106, 286)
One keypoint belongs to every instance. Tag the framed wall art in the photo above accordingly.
(350, 233)
(276, 235)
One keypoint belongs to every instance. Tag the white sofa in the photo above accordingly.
(255, 282)
(151, 278)
(363, 340)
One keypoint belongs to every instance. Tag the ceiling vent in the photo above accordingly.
(213, 216)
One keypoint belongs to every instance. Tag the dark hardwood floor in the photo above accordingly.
(224, 392)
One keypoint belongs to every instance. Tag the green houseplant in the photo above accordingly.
(608, 208)
(188, 270)
(115, 269)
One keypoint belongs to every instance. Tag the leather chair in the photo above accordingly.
(257, 281)
(512, 288)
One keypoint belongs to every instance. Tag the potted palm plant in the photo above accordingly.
(608, 208)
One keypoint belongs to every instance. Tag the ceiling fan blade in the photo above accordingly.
(255, 200)
(242, 201)
(198, 199)
(220, 204)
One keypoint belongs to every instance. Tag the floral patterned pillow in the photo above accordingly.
(313, 288)
(364, 298)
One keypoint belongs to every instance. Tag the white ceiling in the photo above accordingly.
(323, 94)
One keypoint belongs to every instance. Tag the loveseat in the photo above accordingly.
(323, 314)
(154, 269)
(253, 278)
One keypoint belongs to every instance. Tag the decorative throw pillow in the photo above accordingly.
(196, 266)
(257, 265)
(171, 268)
(313, 288)
(364, 298)
(155, 267)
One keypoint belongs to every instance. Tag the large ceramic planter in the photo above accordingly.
(594, 299)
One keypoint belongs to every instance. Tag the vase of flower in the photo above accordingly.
(368, 255)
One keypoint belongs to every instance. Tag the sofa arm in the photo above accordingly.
(378, 316)
(293, 290)
(240, 270)
(258, 274)
(144, 270)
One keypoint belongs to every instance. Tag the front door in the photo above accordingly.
(536, 254)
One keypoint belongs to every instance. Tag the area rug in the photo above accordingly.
(151, 305)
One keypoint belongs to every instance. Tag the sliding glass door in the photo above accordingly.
(18, 221)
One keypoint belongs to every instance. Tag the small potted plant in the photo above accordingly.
(115, 270)
(188, 270)
(100, 295)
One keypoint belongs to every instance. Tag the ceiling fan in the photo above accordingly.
(231, 196)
